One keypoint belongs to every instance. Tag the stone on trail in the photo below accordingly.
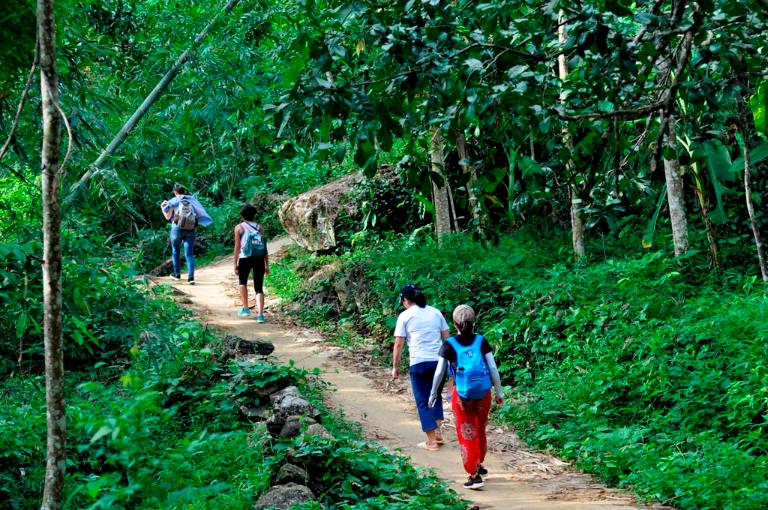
(282, 497)
(291, 473)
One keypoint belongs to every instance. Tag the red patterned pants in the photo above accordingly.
(471, 418)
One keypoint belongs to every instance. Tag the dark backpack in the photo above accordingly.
(185, 217)
(473, 379)
(253, 241)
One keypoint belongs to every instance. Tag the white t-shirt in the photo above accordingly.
(422, 328)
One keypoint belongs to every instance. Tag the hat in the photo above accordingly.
(463, 314)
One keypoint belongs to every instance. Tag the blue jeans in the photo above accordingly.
(187, 237)
(421, 383)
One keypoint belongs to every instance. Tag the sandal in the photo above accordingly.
(426, 446)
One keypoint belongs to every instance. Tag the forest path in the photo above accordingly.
(518, 478)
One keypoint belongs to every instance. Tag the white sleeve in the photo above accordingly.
(443, 323)
(400, 326)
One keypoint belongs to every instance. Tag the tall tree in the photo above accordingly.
(441, 189)
(577, 220)
(52, 291)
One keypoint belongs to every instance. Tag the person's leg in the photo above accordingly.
(258, 285)
(421, 383)
(470, 447)
(175, 248)
(437, 411)
(484, 410)
(189, 237)
(244, 267)
(464, 432)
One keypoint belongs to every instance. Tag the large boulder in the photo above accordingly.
(310, 218)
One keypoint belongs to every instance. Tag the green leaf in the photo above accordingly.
(719, 160)
(21, 325)
(759, 105)
(473, 64)
(294, 69)
(529, 167)
(756, 155)
(650, 230)
(102, 432)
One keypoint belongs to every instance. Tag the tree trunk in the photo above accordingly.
(52, 320)
(577, 203)
(750, 205)
(675, 190)
(475, 207)
(80, 186)
(444, 220)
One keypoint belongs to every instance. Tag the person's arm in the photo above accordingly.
(442, 366)
(238, 235)
(397, 350)
(166, 209)
(445, 334)
(495, 377)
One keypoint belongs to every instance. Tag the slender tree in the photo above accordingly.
(52, 290)
(441, 190)
(577, 221)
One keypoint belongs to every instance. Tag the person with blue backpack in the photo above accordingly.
(476, 373)
(251, 255)
(185, 213)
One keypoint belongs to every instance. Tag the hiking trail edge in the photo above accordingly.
(517, 478)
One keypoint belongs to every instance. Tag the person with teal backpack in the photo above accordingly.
(251, 255)
(475, 370)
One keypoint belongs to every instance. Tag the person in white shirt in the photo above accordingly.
(423, 328)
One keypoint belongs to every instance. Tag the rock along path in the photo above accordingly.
(518, 478)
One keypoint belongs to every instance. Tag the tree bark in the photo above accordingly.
(675, 190)
(444, 220)
(577, 220)
(748, 198)
(52, 300)
(79, 187)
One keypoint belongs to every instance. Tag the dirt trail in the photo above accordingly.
(517, 479)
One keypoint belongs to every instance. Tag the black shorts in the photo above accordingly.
(244, 267)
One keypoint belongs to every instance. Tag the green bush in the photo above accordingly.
(648, 372)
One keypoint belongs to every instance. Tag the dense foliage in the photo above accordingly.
(549, 115)
(646, 372)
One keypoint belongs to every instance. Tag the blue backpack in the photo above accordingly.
(253, 242)
(473, 379)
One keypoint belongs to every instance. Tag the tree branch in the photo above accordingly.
(15, 124)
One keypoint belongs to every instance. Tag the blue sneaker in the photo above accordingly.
(243, 313)
(260, 318)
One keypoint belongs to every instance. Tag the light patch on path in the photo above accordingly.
(518, 479)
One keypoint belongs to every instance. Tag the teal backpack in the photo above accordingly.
(473, 379)
(253, 242)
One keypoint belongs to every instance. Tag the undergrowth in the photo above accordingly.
(648, 372)
(153, 414)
